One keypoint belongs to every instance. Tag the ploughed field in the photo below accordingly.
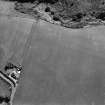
(60, 66)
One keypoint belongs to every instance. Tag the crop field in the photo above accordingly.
(65, 68)
(61, 66)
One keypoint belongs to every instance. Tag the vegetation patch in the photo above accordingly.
(70, 13)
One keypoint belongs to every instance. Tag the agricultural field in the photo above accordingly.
(63, 67)
(62, 62)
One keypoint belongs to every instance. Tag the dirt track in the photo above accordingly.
(61, 66)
